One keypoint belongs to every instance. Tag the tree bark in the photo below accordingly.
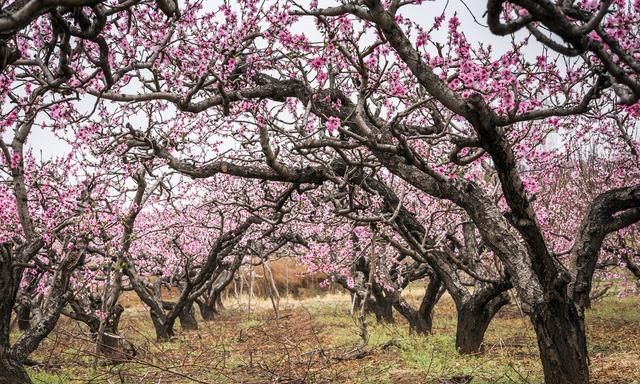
(632, 266)
(421, 320)
(562, 343)
(23, 317)
(164, 332)
(211, 304)
(219, 305)
(473, 319)
(187, 318)
(417, 322)
(12, 371)
(207, 311)
(111, 344)
(431, 297)
(381, 306)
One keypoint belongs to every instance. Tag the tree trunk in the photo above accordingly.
(219, 306)
(188, 318)
(112, 345)
(186, 315)
(114, 348)
(23, 316)
(274, 295)
(473, 319)
(210, 306)
(425, 312)
(383, 311)
(250, 288)
(421, 325)
(164, 332)
(207, 311)
(434, 292)
(421, 320)
(417, 323)
(562, 343)
(381, 306)
(11, 371)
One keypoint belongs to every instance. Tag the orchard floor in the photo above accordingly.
(314, 341)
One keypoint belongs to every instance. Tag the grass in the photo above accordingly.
(48, 378)
(310, 341)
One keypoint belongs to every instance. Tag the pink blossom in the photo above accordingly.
(318, 62)
(333, 124)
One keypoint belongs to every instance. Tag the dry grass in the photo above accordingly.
(309, 342)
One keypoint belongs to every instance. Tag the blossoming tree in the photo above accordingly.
(374, 90)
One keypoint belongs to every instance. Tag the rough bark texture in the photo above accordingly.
(12, 371)
(110, 343)
(632, 266)
(8, 290)
(431, 297)
(188, 318)
(207, 312)
(23, 317)
(562, 343)
(113, 346)
(421, 320)
(473, 319)
(209, 305)
(381, 307)
(164, 331)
